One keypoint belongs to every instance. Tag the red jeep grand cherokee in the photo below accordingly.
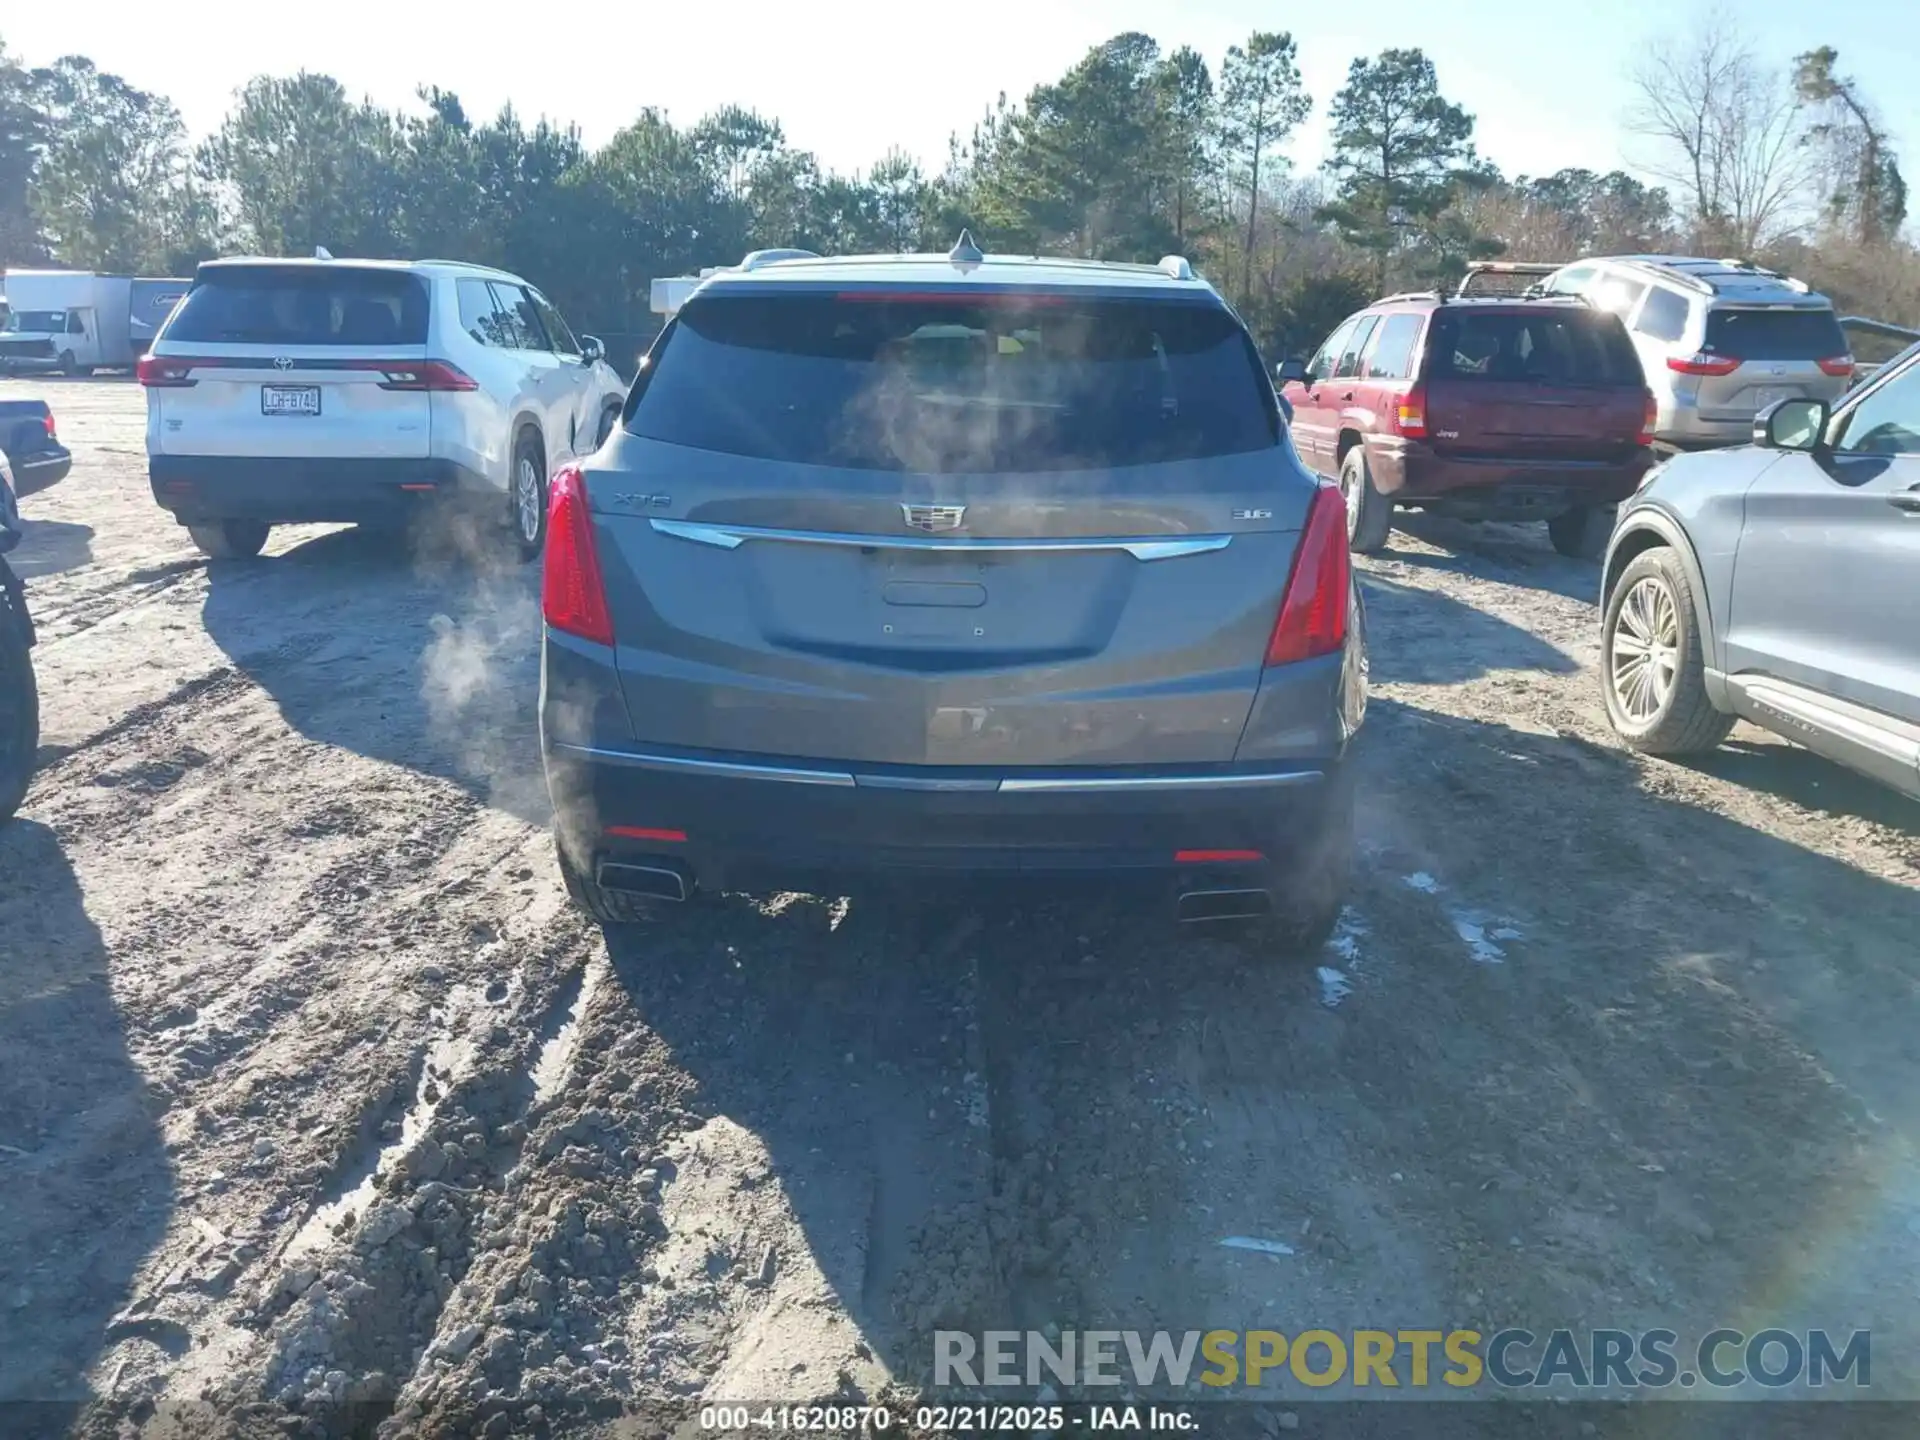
(1503, 408)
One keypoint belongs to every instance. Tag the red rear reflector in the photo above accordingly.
(1703, 364)
(1649, 417)
(642, 832)
(163, 374)
(1841, 365)
(426, 375)
(1410, 419)
(573, 596)
(1216, 857)
(1313, 612)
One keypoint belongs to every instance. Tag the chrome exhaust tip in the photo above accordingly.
(656, 882)
(1199, 906)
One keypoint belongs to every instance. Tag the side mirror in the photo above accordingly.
(1792, 425)
(591, 350)
(1293, 372)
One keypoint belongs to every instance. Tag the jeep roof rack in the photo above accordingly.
(1477, 268)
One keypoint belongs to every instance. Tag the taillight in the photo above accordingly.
(1313, 612)
(1649, 417)
(573, 597)
(47, 421)
(426, 375)
(1703, 364)
(1840, 365)
(158, 373)
(1410, 420)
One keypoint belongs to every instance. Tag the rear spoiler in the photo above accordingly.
(1495, 270)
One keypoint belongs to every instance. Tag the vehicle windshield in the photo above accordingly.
(1774, 334)
(1557, 347)
(303, 305)
(36, 322)
(925, 383)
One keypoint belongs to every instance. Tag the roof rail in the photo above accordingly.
(1176, 267)
(1410, 295)
(759, 258)
(1670, 271)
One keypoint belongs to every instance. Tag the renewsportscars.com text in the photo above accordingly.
(1601, 1359)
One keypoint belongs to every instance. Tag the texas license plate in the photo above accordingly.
(289, 399)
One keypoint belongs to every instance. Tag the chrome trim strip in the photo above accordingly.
(1069, 784)
(1048, 784)
(731, 537)
(719, 769)
(929, 784)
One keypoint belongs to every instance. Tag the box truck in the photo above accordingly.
(73, 321)
(152, 302)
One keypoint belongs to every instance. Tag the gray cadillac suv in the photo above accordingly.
(954, 564)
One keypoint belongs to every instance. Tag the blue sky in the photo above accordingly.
(1548, 82)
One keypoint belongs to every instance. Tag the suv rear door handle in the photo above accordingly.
(1907, 500)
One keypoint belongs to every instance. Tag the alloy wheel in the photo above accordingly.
(527, 498)
(1645, 650)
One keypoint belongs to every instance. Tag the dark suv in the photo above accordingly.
(1502, 408)
(951, 565)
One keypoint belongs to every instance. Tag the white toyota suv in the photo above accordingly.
(299, 391)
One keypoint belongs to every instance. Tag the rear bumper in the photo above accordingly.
(750, 821)
(307, 490)
(1413, 472)
(37, 469)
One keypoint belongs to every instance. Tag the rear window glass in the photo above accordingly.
(1664, 316)
(1392, 357)
(1559, 347)
(925, 383)
(1774, 334)
(307, 306)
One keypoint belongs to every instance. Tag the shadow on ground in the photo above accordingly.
(404, 651)
(85, 1185)
(51, 547)
(1419, 636)
(1682, 1092)
(1514, 554)
(1791, 773)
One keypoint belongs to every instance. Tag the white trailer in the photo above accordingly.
(669, 292)
(73, 321)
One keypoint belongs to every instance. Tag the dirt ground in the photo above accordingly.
(317, 1093)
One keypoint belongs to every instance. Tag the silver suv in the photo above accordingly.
(952, 564)
(1720, 340)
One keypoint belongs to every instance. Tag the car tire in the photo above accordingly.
(1310, 892)
(19, 717)
(1653, 661)
(1582, 533)
(609, 907)
(609, 418)
(229, 539)
(527, 496)
(1369, 513)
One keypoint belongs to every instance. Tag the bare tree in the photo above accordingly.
(1730, 133)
